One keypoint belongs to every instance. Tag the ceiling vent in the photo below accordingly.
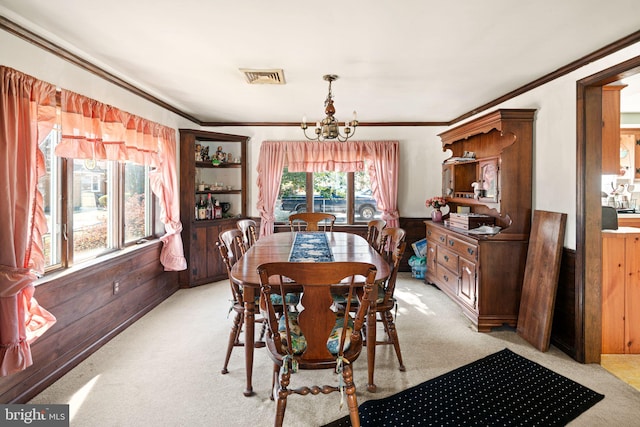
(269, 77)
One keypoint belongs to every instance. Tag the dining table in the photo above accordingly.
(277, 247)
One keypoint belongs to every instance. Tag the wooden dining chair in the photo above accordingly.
(386, 303)
(249, 231)
(390, 238)
(231, 249)
(374, 229)
(311, 221)
(315, 337)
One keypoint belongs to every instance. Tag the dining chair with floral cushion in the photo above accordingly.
(387, 305)
(231, 247)
(315, 337)
(392, 248)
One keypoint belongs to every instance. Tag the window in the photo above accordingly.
(92, 193)
(347, 195)
(92, 207)
(137, 199)
(50, 188)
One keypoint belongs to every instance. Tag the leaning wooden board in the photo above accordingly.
(541, 278)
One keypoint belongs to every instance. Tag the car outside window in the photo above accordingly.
(347, 195)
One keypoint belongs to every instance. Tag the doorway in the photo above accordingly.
(588, 219)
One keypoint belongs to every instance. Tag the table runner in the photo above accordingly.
(310, 247)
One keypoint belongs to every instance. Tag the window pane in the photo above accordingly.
(49, 186)
(137, 206)
(365, 205)
(292, 196)
(93, 207)
(330, 194)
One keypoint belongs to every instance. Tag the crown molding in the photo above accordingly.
(35, 39)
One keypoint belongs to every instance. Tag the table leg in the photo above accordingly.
(249, 335)
(371, 346)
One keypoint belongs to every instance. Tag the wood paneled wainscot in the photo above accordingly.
(482, 274)
(621, 291)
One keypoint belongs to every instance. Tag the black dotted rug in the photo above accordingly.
(502, 389)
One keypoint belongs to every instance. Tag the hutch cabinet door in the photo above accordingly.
(489, 180)
(197, 260)
(432, 253)
(467, 291)
(215, 267)
(447, 180)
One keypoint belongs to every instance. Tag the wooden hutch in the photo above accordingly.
(226, 182)
(484, 273)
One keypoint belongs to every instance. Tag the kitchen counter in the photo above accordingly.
(622, 231)
(628, 220)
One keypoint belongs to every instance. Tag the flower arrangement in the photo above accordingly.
(436, 202)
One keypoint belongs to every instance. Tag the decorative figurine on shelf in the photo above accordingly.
(198, 153)
(229, 158)
(204, 154)
(221, 155)
(477, 191)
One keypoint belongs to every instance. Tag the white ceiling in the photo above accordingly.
(414, 60)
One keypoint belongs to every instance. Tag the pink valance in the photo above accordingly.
(93, 130)
(380, 157)
(318, 156)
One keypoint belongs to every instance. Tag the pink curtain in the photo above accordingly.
(27, 115)
(383, 161)
(93, 130)
(270, 165)
(164, 184)
(351, 156)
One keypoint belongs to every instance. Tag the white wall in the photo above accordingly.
(554, 173)
(420, 156)
(29, 59)
(420, 149)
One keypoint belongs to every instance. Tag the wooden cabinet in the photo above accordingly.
(226, 182)
(629, 220)
(621, 291)
(484, 274)
(481, 273)
(629, 155)
(502, 144)
(611, 129)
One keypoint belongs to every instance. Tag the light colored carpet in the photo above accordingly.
(165, 369)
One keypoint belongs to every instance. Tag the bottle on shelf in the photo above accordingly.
(210, 211)
(202, 209)
(218, 210)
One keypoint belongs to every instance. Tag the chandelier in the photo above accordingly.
(328, 128)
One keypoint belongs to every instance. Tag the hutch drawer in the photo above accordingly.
(449, 260)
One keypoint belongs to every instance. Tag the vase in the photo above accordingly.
(436, 215)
